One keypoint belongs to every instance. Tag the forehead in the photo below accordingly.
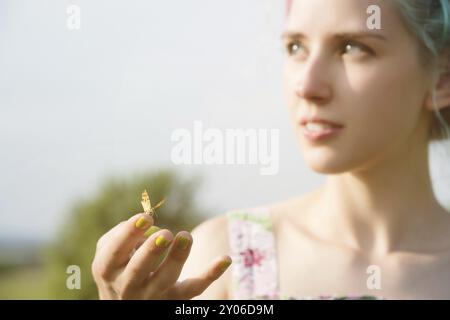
(340, 15)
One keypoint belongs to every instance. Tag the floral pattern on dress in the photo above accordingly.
(252, 257)
(252, 245)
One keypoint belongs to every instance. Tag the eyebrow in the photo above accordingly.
(341, 35)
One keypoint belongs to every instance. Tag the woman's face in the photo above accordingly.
(374, 87)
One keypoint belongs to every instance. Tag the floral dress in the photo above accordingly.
(254, 268)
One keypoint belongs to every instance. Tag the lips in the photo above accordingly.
(320, 121)
(316, 129)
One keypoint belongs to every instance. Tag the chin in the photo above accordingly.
(326, 161)
(326, 168)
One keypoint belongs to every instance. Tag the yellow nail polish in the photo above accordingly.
(161, 241)
(142, 223)
(183, 242)
(151, 231)
(225, 264)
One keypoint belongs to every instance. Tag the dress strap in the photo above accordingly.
(252, 244)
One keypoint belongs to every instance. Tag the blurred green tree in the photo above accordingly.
(116, 201)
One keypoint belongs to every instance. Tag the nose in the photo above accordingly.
(314, 80)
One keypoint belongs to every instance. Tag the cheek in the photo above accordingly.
(380, 109)
(290, 96)
(383, 102)
(289, 79)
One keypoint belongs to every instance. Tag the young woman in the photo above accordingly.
(365, 104)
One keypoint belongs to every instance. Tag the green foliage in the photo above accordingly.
(117, 200)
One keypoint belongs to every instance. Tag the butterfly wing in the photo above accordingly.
(159, 203)
(146, 204)
(157, 206)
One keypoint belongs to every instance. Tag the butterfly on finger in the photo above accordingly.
(147, 205)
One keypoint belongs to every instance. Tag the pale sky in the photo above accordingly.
(78, 106)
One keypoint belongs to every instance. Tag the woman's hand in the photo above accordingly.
(127, 263)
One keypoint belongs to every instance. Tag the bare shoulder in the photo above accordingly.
(213, 230)
(210, 240)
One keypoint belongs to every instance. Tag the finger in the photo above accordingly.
(147, 235)
(147, 258)
(191, 287)
(104, 238)
(111, 232)
(116, 251)
(170, 269)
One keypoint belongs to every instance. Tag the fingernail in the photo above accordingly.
(183, 242)
(142, 223)
(161, 241)
(225, 264)
(151, 231)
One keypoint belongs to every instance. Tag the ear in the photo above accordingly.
(442, 93)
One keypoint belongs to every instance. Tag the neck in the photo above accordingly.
(381, 208)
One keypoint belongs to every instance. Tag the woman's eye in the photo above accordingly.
(293, 47)
(350, 47)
